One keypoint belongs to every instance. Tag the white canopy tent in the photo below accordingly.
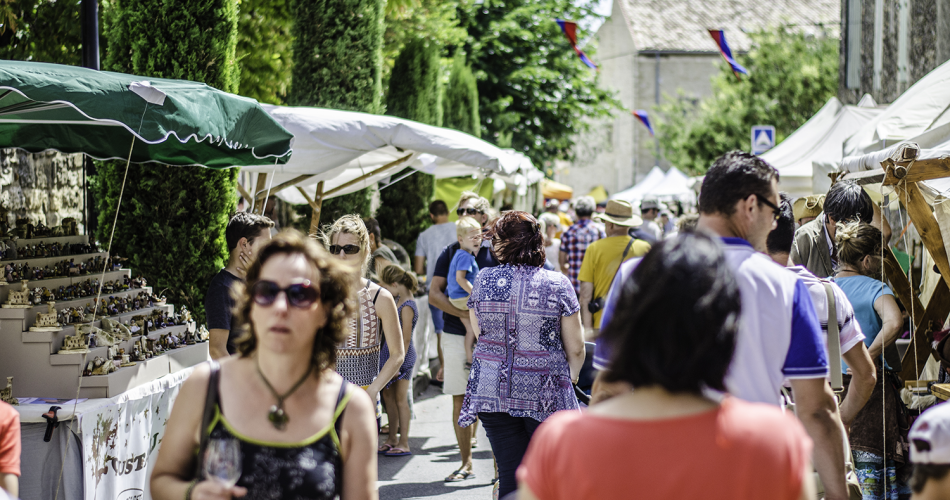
(634, 194)
(339, 152)
(805, 158)
(675, 186)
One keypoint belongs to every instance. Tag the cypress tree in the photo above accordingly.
(338, 64)
(415, 93)
(172, 219)
(460, 105)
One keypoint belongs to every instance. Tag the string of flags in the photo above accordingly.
(720, 38)
(570, 31)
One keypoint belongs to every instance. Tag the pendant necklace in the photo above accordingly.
(277, 417)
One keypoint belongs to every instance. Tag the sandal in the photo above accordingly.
(384, 448)
(397, 452)
(460, 475)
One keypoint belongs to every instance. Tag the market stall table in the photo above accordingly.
(942, 391)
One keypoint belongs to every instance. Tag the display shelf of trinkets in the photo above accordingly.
(33, 357)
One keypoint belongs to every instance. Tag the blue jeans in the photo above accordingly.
(437, 320)
(509, 437)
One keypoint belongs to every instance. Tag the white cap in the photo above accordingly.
(930, 436)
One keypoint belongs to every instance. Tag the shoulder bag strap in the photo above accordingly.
(210, 401)
(622, 258)
(834, 340)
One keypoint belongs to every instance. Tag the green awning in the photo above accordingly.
(174, 122)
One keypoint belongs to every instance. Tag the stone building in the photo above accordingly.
(648, 51)
(886, 46)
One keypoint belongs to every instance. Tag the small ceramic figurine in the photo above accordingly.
(47, 322)
(19, 299)
(75, 344)
(6, 394)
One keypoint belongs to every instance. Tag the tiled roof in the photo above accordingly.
(683, 24)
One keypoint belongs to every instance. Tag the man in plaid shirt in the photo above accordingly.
(575, 240)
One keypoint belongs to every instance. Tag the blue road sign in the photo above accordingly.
(763, 138)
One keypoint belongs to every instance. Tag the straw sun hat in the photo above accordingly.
(620, 213)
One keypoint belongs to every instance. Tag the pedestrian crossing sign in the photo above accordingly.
(763, 138)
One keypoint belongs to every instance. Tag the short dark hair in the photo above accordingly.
(846, 201)
(925, 472)
(781, 238)
(516, 239)
(438, 208)
(372, 225)
(677, 317)
(245, 225)
(733, 177)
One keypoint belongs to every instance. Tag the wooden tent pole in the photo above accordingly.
(261, 185)
(280, 187)
(363, 177)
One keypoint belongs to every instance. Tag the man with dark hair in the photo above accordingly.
(814, 245)
(861, 377)
(381, 255)
(779, 334)
(428, 246)
(577, 238)
(245, 235)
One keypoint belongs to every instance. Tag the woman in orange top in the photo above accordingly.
(672, 437)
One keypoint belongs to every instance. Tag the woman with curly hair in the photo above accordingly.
(303, 431)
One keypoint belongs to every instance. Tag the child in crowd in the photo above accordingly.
(930, 454)
(402, 285)
(462, 272)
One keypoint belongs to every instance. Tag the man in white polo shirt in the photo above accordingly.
(779, 334)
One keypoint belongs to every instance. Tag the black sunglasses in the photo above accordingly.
(776, 211)
(300, 295)
(468, 211)
(347, 249)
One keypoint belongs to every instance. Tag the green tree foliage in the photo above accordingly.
(531, 84)
(415, 93)
(415, 90)
(460, 103)
(791, 76)
(338, 64)
(434, 20)
(264, 49)
(337, 58)
(41, 30)
(172, 220)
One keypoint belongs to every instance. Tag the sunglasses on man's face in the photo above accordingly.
(776, 211)
(468, 211)
(300, 295)
(347, 249)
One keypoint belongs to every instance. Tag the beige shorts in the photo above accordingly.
(455, 376)
(461, 303)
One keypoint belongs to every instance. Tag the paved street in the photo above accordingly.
(435, 455)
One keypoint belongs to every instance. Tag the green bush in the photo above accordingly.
(337, 54)
(415, 93)
(172, 220)
(460, 105)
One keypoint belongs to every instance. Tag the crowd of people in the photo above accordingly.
(745, 351)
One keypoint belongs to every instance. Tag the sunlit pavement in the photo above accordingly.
(434, 456)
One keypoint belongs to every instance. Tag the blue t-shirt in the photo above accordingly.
(862, 292)
(461, 261)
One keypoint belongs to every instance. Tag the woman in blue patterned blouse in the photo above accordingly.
(530, 343)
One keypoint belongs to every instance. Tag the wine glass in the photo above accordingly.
(223, 461)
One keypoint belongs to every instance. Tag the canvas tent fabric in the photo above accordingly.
(556, 190)
(634, 194)
(805, 157)
(675, 186)
(337, 147)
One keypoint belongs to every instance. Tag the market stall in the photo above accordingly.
(634, 194)
(77, 330)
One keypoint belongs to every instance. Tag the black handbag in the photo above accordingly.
(595, 305)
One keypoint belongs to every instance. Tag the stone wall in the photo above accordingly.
(43, 187)
(928, 41)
